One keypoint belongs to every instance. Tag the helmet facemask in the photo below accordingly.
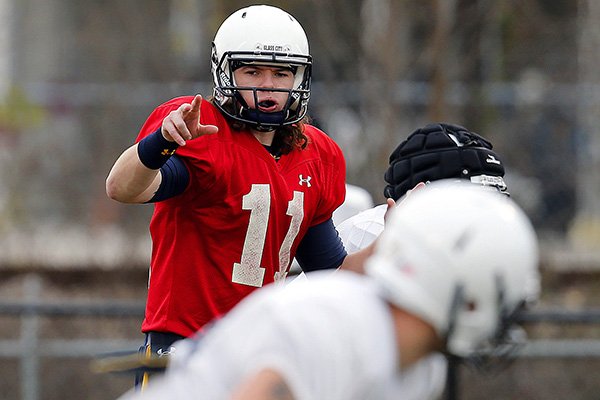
(499, 344)
(229, 98)
(261, 35)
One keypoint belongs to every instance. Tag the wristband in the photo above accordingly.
(154, 150)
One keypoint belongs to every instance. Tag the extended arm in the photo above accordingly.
(130, 181)
(321, 248)
(355, 262)
(135, 176)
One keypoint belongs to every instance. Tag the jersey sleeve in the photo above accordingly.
(155, 119)
(321, 248)
(195, 155)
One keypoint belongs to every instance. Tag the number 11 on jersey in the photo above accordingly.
(248, 271)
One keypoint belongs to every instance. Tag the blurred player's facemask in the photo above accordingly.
(443, 151)
(499, 349)
(228, 96)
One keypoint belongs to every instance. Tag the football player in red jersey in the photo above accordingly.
(240, 182)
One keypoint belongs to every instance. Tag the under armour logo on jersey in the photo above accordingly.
(492, 160)
(165, 352)
(303, 180)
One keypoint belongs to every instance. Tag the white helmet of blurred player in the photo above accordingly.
(463, 259)
(261, 35)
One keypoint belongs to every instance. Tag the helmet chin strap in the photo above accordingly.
(498, 351)
(265, 121)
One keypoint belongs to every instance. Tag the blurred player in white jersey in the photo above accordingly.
(450, 272)
(434, 152)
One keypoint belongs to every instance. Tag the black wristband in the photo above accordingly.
(154, 150)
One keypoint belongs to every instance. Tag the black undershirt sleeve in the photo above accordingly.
(321, 248)
(175, 178)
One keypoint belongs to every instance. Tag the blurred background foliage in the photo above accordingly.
(79, 77)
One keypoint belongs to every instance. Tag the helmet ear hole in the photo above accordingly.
(470, 306)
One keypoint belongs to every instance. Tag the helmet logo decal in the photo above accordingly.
(488, 180)
(304, 180)
(455, 140)
(272, 47)
(225, 78)
(492, 160)
(407, 269)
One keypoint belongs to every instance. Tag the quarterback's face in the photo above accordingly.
(264, 77)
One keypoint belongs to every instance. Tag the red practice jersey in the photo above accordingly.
(237, 225)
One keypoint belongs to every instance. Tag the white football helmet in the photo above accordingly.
(263, 35)
(461, 258)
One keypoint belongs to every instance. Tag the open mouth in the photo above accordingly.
(267, 106)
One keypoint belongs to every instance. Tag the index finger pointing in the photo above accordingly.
(196, 102)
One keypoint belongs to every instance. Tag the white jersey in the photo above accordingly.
(330, 337)
(427, 378)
